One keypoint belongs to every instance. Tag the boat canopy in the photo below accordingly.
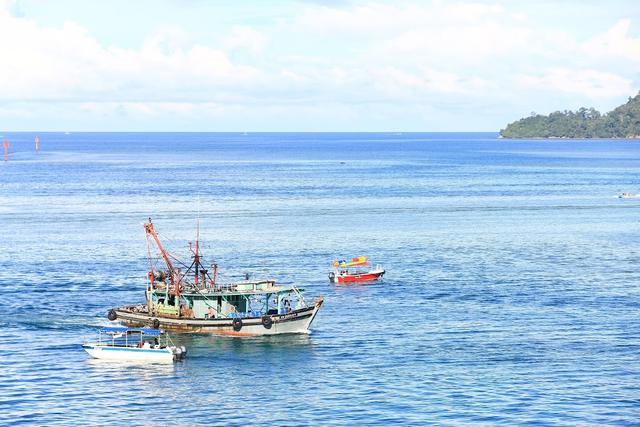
(361, 260)
(123, 329)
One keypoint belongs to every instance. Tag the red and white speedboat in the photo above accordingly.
(355, 271)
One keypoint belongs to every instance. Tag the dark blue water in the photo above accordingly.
(512, 295)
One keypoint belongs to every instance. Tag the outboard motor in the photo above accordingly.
(177, 352)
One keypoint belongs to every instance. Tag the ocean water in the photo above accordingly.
(512, 292)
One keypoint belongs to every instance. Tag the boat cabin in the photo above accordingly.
(120, 336)
(243, 299)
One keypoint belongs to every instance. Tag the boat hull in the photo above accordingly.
(357, 278)
(163, 355)
(295, 322)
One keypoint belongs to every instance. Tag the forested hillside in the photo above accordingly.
(622, 122)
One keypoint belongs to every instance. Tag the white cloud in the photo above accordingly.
(247, 38)
(68, 64)
(615, 43)
(151, 109)
(590, 83)
(395, 82)
(372, 58)
(457, 45)
(376, 20)
(432, 32)
(460, 47)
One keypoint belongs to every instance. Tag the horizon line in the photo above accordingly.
(239, 132)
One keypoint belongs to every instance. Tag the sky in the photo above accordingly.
(370, 66)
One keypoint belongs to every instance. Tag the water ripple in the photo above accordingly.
(511, 296)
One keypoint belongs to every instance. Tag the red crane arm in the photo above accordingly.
(148, 228)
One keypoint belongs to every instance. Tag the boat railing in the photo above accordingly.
(116, 336)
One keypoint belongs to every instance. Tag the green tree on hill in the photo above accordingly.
(622, 122)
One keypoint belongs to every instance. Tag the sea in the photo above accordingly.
(511, 294)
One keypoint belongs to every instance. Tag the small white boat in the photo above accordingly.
(627, 195)
(128, 344)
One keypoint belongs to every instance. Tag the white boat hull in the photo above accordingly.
(129, 353)
(296, 322)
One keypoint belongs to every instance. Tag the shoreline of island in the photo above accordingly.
(568, 138)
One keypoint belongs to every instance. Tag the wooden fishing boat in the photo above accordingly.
(193, 301)
(354, 271)
(125, 344)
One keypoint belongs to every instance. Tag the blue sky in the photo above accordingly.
(196, 65)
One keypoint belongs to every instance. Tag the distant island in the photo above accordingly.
(622, 122)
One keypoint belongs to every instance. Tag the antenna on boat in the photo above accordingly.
(197, 265)
(151, 274)
(196, 255)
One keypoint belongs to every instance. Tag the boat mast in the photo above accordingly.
(196, 253)
(150, 231)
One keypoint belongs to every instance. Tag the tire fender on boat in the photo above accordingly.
(155, 323)
(237, 324)
(267, 321)
(112, 315)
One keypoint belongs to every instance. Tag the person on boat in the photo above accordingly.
(232, 311)
(287, 305)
